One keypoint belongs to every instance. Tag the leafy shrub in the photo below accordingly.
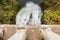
(9, 9)
(51, 12)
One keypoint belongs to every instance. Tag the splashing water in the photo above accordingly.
(30, 14)
(48, 34)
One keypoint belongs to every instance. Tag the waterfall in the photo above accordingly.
(19, 35)
(30, 14)
(48, 34)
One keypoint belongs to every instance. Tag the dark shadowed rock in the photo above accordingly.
(23, 2)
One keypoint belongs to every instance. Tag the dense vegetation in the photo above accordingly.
(8, 10)
(50, 8)
(51, 12)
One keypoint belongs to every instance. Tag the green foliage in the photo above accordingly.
(9, 9)
(49, 17)
(51, 12)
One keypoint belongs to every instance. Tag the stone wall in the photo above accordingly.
(33, 32)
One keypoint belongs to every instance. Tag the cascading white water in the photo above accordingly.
(30, 14)
(19, 35)
(48, 34)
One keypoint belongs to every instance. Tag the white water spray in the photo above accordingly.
(48, 34)
(30, 14)
(19, 35)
